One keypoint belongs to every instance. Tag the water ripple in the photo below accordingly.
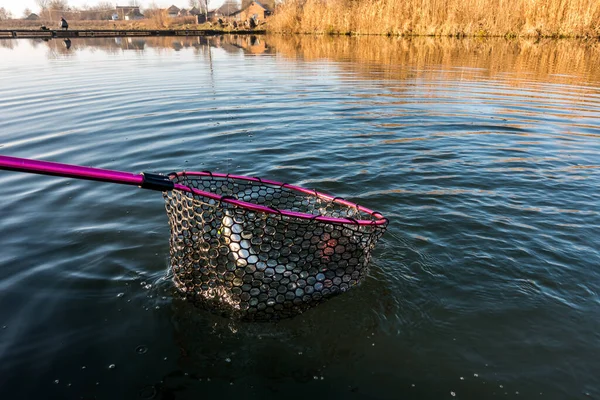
(483, 157)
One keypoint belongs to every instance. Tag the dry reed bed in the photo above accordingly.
(524, 18)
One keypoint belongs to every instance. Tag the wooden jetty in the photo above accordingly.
(90, 33)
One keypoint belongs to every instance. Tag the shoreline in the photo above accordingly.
(451, 36)
(91, 33)
(21, 33)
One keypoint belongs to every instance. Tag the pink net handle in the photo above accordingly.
(162, 183)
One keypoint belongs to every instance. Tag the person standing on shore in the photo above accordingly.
(63, 23)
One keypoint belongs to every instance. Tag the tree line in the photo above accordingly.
(103, 10)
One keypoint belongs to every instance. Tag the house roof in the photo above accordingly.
(173, 9)
(33, 16)
(262, 5)
(226, 9)
(128, 7)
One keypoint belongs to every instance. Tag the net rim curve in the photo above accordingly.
(380, 220)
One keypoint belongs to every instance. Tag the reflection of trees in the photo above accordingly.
(8, 43)
(36, 42)
(397, 58)
(132, 43)
(230, 43)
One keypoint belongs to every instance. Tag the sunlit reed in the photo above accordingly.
(558, 18)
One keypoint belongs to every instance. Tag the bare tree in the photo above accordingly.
(43, 5)
(151, 6)
(101, 11)
(134, 3)
(58, 5)
(229, 7)
(5, 14)
(200, 5)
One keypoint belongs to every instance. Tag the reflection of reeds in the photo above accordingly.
(8, 44)
(397, 58)
(157, 19)
(408, 58)
(440, 17)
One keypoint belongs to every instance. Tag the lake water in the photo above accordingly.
(483, 154)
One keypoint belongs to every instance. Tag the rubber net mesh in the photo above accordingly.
(263, 266)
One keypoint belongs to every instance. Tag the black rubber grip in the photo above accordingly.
(158, 182)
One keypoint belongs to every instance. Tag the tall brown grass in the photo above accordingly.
(525, 18)
(159, 19)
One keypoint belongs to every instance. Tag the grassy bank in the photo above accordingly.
(158, 21)
(143, 24)
(511, 18)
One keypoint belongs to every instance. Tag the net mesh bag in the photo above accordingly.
(255, 265)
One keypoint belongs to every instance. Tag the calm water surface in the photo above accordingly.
(484, 155)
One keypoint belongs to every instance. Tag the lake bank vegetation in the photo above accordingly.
(459, 18)
(452, 18)
(147, 24)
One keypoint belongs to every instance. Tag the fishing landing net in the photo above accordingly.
(254, 249)
(249, 247)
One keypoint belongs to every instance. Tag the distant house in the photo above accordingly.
(183, 12)
(237, 16)
(255, 10)
(123, 11)
(32, 17)
(213, 16)
(194, 11)
(134, 15)
(227, 8)
(173, 11)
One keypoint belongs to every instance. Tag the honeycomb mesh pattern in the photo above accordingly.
(263, 266)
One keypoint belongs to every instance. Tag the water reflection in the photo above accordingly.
(411, 58)
(526, 60)
(483, 153)
(232, 44)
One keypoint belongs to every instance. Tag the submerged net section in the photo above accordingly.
(263, 265)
